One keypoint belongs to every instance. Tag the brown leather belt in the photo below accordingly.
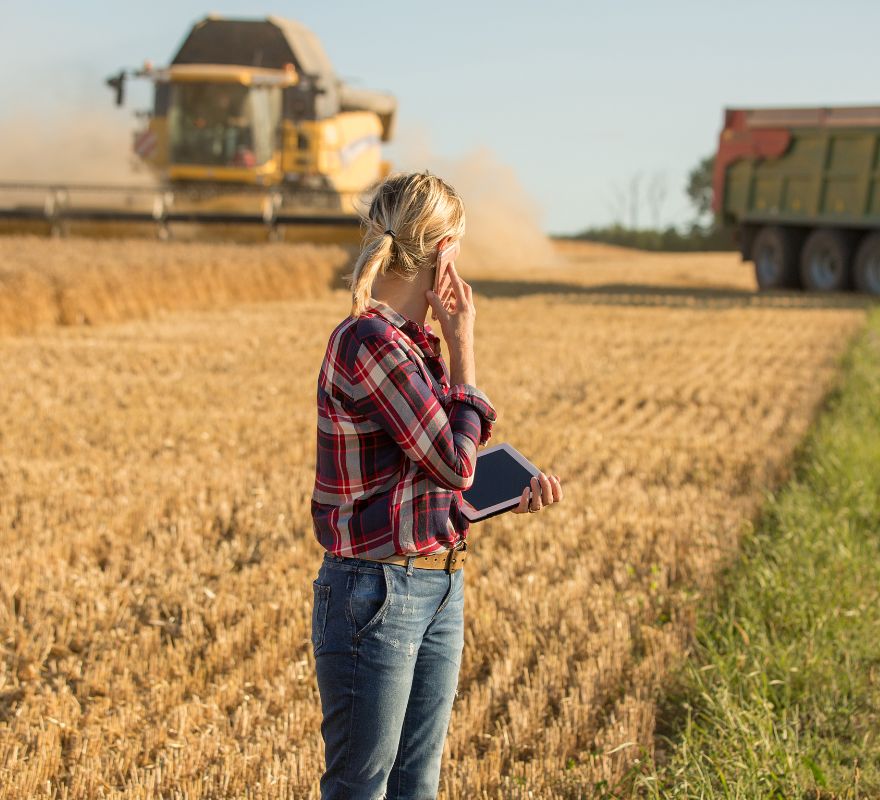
(448, 560)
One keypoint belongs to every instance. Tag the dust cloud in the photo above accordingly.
(503, 221)
(74, 146)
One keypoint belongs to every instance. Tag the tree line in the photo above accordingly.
(701, 233)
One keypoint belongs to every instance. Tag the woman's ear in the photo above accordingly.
(443, 242)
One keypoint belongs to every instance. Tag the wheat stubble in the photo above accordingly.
(156, 553)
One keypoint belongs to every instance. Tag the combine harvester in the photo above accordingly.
(250, 130)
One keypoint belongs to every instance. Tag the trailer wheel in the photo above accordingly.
(867, 266)
(825, 261)
(774, 252)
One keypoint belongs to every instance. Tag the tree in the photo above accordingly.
(634, 200)
(699, 187)
(626, 202)
(656, 194)
(617, 205)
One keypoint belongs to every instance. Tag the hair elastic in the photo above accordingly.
(391, 232)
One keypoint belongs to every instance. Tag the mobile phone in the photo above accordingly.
(442, 282)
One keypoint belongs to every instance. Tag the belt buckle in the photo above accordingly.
(452, 555)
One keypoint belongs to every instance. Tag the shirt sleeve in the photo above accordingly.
(442, 438)
(465, 393)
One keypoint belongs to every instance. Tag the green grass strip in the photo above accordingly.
(781, 696)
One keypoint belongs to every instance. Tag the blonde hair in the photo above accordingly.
(409, 215)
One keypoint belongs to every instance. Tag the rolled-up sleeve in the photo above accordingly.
(442, 438)
(464, 393)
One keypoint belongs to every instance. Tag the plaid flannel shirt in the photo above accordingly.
(396, 443)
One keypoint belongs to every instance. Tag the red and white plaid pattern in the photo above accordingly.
(396, 443)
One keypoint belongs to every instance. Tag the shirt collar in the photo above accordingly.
(420, 335)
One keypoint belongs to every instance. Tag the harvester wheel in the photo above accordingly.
(774, 252)
(866, 270)
(825, 261)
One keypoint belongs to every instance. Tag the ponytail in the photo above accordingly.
(374, 260)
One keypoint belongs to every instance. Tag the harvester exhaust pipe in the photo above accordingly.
(117, 82)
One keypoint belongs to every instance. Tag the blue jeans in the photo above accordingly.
(387, 641)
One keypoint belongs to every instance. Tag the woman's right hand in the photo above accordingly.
(458, 328)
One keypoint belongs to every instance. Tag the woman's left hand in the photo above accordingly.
(545, 489)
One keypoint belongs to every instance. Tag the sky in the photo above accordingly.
(583, 100)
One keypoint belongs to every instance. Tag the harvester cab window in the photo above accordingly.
(264, 103)
(226, 125)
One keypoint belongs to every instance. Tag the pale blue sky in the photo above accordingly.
(577, 97)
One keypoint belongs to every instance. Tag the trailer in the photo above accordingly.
(802, 188)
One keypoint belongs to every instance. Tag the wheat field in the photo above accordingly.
(50, 282)
(156, 551)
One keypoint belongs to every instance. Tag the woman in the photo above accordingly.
(397, 442)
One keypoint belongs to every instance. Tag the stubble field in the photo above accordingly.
(156, 550)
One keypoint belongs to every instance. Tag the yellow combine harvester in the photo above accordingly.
(250, 126)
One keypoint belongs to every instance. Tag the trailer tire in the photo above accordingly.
(866, 270)
(775, 255)
(825, 261)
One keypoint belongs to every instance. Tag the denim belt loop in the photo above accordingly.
(409, 565)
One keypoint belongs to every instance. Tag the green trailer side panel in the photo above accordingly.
(767, 190)
(826, 177)
(840, 197)
(874, 197)
(850, 153)
(847, 175)
(737, 185)
(800, 194)
(803, 179)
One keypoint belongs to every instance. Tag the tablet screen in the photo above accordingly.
(499, 478)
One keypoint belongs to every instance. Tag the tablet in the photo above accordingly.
(501, 475)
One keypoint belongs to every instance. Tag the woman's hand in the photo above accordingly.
(546, 489)
(458, 328)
